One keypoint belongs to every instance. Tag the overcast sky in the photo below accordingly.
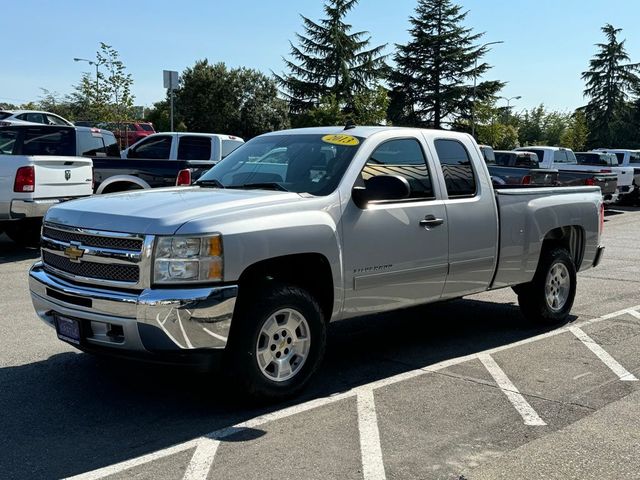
(548, 43)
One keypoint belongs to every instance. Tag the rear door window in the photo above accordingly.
(456, 166)
(33, 117)
(157, 148)
(633, 158)
(90, 144)
(111, 144)
(194, 148)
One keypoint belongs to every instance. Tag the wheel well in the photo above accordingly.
(571, 238)
(310, 271)
(121, 187)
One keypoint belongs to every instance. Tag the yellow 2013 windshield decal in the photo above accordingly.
(344, 140)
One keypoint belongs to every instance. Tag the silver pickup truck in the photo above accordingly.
(299, 228)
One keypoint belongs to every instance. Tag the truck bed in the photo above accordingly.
(526, 215)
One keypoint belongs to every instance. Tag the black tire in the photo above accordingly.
(25, 233)
(532, 296)
(254, 308)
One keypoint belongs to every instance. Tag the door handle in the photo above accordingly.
(431, 221)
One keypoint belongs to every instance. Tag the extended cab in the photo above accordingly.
(111, 173)
(184, 146)
(38, 169)
(299, 228)
(571, 174)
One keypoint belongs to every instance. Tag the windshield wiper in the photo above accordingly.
(209, 183)
(261, 185)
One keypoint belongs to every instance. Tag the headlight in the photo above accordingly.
(187, 259)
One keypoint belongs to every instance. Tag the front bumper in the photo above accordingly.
(151, 321)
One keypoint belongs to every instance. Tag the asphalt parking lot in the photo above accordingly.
(459, 390)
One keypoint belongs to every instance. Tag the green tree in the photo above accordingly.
(370, 109)
(331, 62)
(540, 126)
(609, 81)
(242, 101)
(432, 83)
(108, 97)
(494, 129)
(576, 134)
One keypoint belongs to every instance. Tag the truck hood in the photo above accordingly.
(161, 211)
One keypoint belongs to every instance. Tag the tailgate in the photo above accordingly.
(608, 183)
(60, 177)
(543, 176)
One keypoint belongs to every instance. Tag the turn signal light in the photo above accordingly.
(25, 180)
(590, 182)
(526, 180)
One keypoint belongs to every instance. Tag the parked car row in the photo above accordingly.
(544, 165)
(40, 154)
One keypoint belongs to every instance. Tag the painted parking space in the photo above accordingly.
(500, 405)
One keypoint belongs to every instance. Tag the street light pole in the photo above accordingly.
(475, 79)
(508, 100)
(91, 62)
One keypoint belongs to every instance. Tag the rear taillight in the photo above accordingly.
(25, 180)
(590, 182)
(601, 218)
(526, 180)
(184, 177)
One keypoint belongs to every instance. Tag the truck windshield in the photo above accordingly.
(303, 163)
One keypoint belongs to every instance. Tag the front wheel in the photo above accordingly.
(277, 341)
(548, 298)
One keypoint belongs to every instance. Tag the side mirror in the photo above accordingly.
(381, 187)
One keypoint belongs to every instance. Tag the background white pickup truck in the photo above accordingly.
(30, 184)
(184, 146)
(564, 159)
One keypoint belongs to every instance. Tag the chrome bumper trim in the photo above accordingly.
(171, 319)
(31, 208)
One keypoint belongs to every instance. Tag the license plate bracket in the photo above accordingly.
(68, 329)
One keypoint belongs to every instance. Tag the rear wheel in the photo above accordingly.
(277, 341)
(548, 298)
(25, 233)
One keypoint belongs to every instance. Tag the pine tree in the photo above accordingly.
(610, 79)
(331, 62)
(432, 83)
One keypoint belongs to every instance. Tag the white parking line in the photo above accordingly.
(372, 463)
(600, 352)
(525, 410)
(202, 459)
(319, 402)
(634, 313)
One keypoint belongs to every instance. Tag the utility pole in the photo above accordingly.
(475, 78)
(171, 83)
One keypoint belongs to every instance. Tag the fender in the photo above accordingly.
(124, 179)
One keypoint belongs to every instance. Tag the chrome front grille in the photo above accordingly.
(97, 257)
(102, 271)
(118, 243)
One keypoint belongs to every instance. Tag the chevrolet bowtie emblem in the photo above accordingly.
(73, 253)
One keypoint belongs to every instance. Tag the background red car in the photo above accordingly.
(128, 133)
